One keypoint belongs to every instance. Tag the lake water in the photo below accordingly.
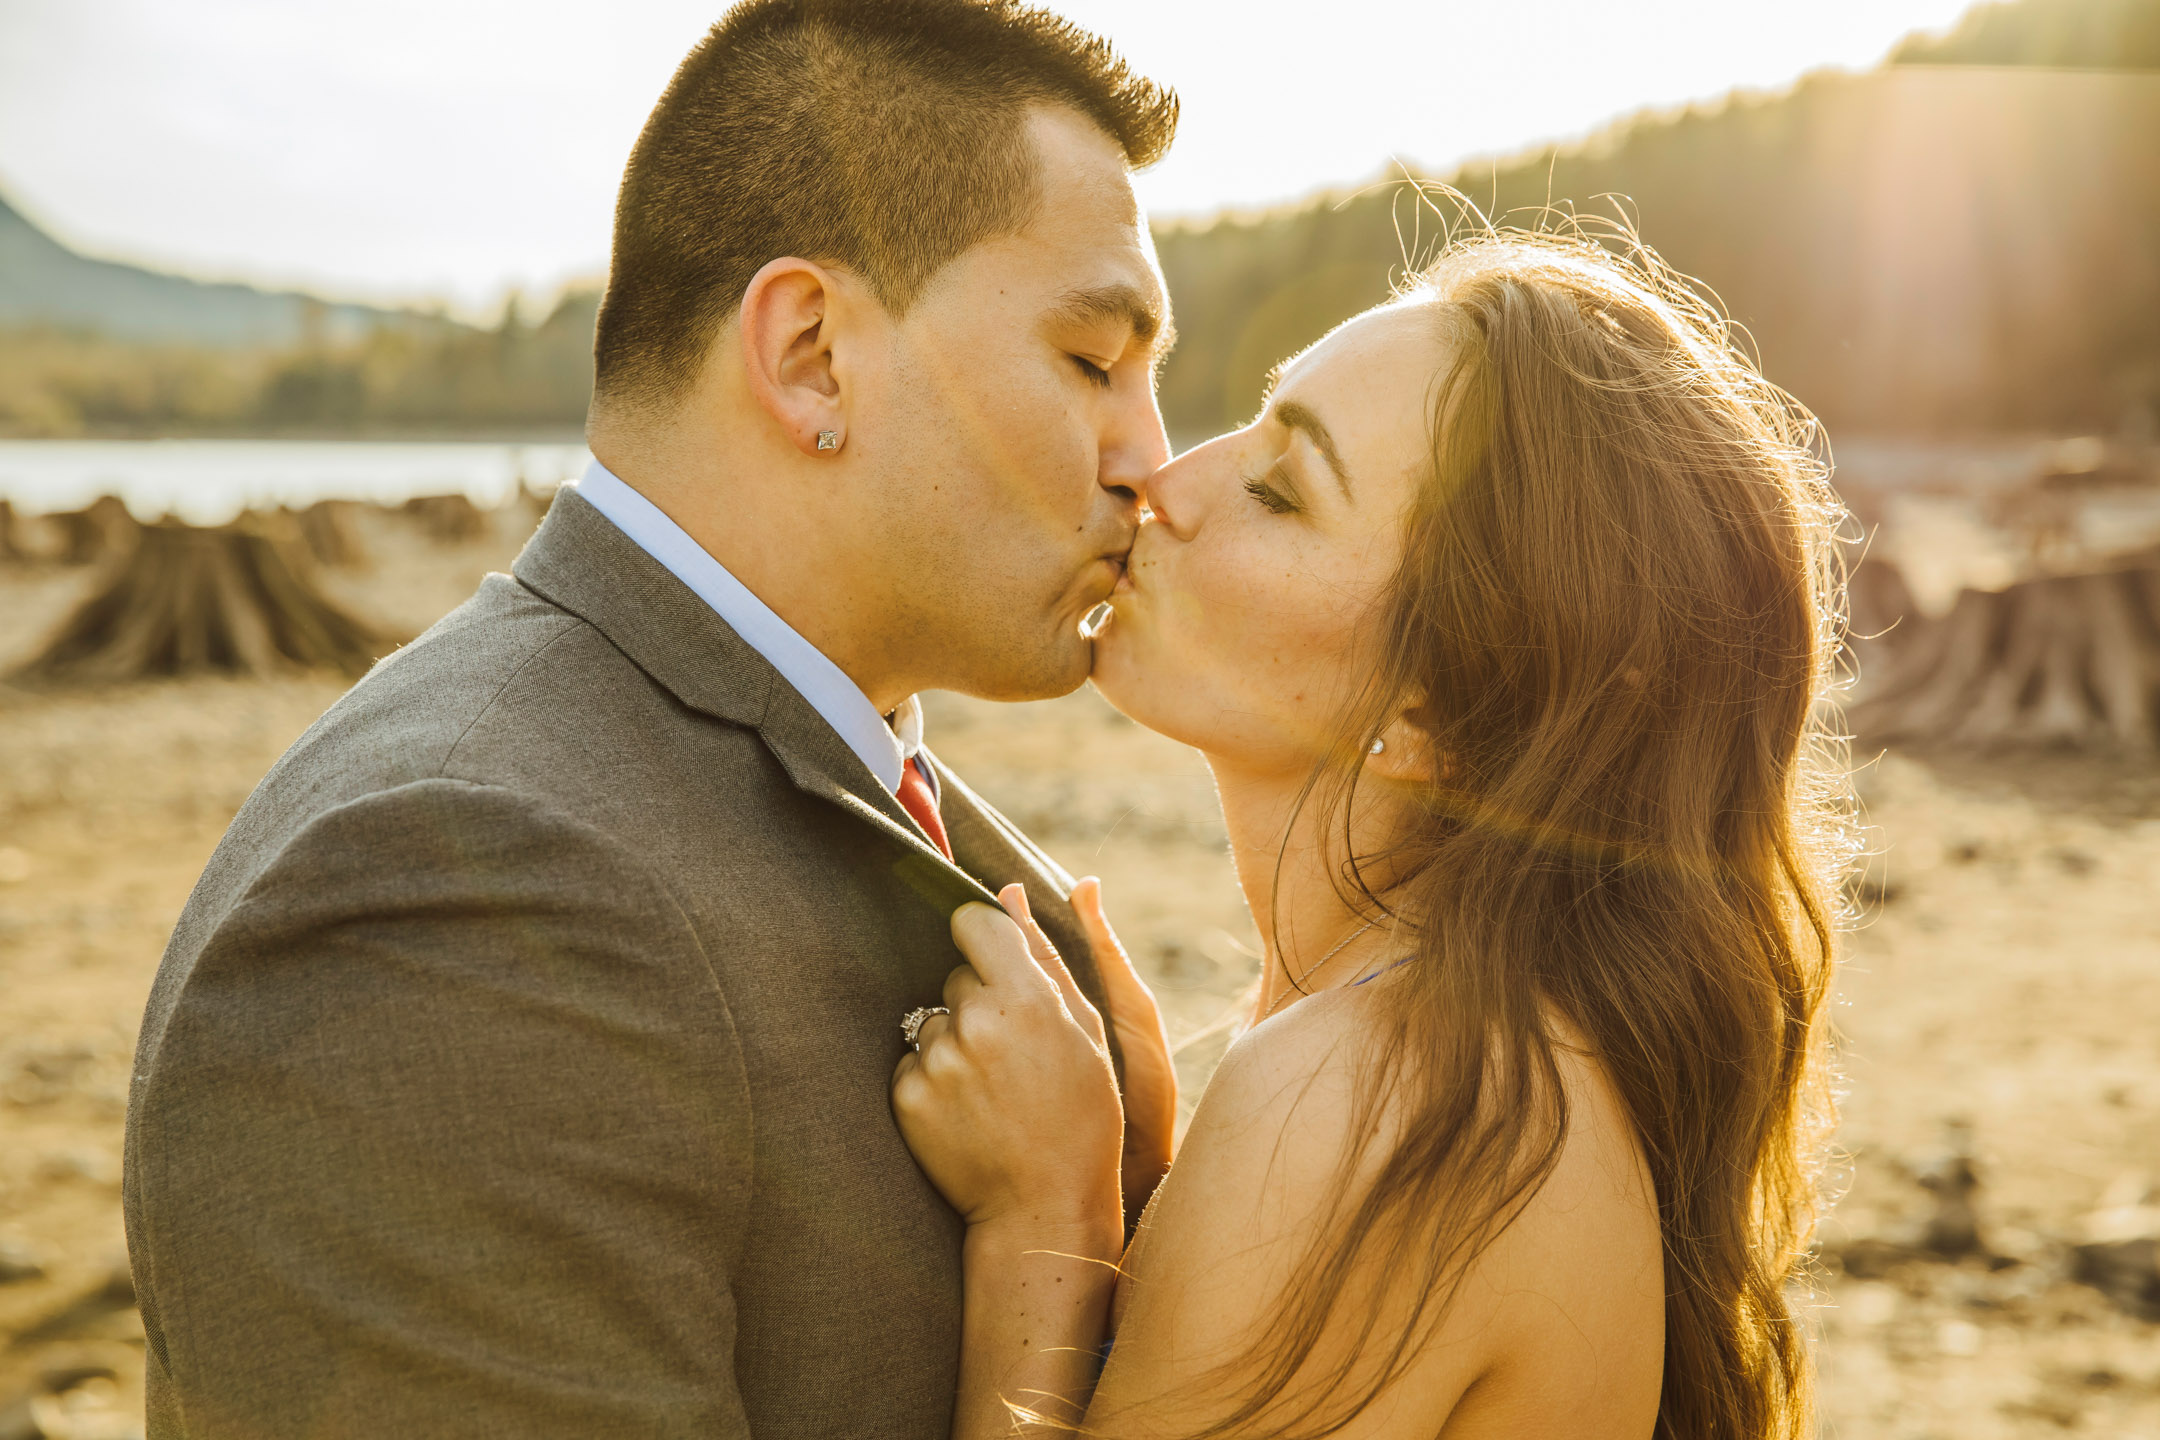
(209, 482)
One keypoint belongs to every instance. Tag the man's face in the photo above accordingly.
(1017, 427)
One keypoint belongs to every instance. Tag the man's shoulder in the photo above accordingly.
(410, 710)
(510, 696)
(509, 689)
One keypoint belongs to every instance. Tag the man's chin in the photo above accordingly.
(1053, 670)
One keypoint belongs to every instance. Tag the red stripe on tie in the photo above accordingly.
(919, 800)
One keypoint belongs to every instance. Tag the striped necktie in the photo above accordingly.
(919, 800)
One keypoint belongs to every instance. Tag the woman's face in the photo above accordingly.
(1238, 626)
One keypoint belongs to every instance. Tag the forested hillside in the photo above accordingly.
(1964, 240)
(1933, 247)
(407, 376)
(94, 347)
(2072, 34)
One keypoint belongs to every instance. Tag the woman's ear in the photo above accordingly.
(788, 340)
(1404, 751)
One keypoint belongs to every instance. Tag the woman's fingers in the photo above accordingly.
(1151, 1084)
(1014, 899)
(1130, 999)
(933, 1029)
(961, 986)
(996, 948)
(1010, 1105)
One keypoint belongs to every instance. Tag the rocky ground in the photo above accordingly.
(1999, 1017)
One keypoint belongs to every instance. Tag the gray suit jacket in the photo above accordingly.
(519, 1065)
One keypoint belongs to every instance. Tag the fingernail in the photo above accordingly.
(1019, 901)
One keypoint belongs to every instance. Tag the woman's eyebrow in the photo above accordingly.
(1300, 418)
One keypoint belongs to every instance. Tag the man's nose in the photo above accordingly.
(1134, 451)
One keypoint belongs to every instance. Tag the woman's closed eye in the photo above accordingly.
(1273, 491)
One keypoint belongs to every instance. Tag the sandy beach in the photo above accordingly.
(2000, 994)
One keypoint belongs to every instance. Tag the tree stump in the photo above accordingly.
(1878, 604)
(2063, 660)
(236, 598)
(332, 533)
(12, 547)
(448, 519)
(89, 535)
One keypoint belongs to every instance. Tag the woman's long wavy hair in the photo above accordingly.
(1617, 613)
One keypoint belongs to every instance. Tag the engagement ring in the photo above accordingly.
(911, 1023)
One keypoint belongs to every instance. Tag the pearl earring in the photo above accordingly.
(1378, 746)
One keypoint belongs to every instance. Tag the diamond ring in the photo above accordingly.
(911, 1023)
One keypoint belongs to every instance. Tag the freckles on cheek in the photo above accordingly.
(1309, 636)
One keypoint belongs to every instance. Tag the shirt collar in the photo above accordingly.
(884, 747)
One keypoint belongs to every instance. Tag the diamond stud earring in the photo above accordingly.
(828, 440)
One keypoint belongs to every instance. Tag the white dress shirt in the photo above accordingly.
(884, 747)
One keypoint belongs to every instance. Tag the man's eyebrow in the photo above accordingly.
(1127, 304)
(1302, 420)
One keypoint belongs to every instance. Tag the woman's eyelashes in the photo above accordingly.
(1273, 491)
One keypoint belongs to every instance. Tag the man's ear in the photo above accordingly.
(788, 345)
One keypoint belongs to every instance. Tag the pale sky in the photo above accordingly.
(407, 149)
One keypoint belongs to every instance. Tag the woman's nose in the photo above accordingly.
(1179, 493)
(1166, 495)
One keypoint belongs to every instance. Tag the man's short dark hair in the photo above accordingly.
(885, 137)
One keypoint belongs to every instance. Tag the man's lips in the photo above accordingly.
(1130, 563)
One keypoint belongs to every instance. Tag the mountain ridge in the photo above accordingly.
(45, 283)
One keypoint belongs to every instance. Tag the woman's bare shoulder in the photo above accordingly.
(1579, 1271)
(1235, 1219)
(1304, 1059)
(1572, 1293)
(1266, 1146)
(1276, 1117)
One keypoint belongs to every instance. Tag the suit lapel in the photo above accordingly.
(994, 851)
(580, 561)
(822, 764)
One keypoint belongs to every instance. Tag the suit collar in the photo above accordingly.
(582, 562)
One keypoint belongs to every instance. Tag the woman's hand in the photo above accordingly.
(1151, 1084)
(1011, 1106)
